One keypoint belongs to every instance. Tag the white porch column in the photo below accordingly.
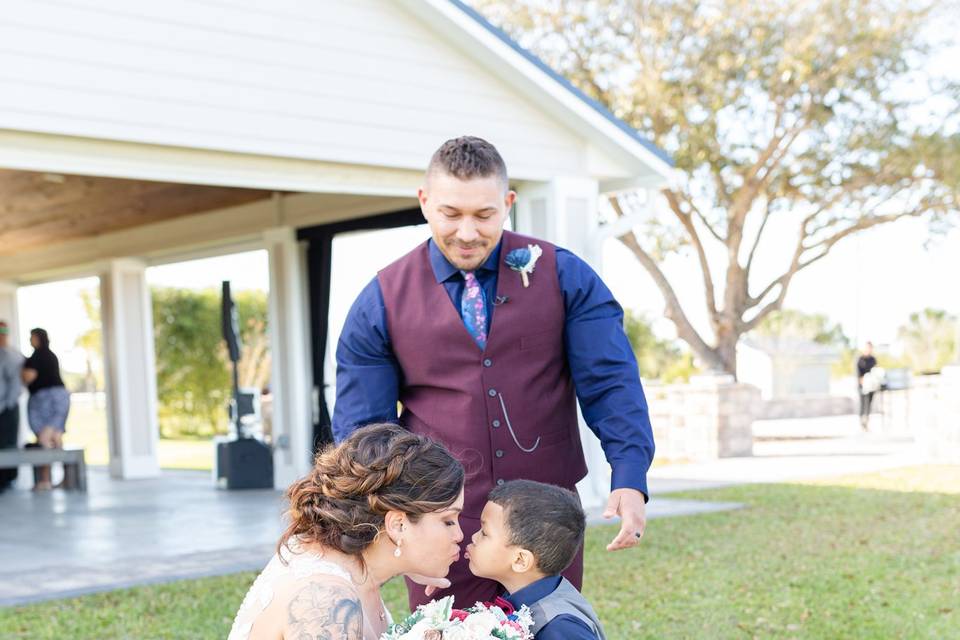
(291, 378)
(564, 211)
(131, 371)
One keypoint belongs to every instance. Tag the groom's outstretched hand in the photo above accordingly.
(432, 584)
(631, 506)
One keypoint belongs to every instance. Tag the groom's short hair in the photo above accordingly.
(469, 157)
(544, 519)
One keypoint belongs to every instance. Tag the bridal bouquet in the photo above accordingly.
(438, 620)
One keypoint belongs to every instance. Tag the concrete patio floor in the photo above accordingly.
(125, 533)
(121, 533)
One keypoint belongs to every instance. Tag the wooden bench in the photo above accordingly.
(74, 466)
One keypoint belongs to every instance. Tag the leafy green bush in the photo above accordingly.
(658, 359)
(193, 370)
(929, 340)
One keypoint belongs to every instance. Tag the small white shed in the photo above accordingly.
(785, 367)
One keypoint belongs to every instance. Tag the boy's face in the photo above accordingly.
(490, 552)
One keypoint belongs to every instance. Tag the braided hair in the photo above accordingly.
(341, 504)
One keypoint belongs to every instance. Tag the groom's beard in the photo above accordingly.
(466, 256)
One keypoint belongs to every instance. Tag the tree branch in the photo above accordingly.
(756, 240)
(674, 311)
(854, 184)
(770, 149)
(753, 181)
(586, 75)
(784, 282)
(722, 194)
(691, 230)
(863, 223)
(703, 218)
(824, 246)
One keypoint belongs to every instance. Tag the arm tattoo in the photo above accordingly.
(324, 612)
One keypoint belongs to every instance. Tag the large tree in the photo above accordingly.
(817, 115)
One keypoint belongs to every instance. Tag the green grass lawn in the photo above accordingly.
(87, 428)
(874, 556)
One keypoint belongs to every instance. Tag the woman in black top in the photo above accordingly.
(49, 401)
(865, 365)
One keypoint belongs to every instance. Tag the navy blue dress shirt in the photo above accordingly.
(602, 363)
(563, 627)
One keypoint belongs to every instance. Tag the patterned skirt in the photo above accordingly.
(48, 408)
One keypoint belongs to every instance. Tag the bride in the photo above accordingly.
(385, 502)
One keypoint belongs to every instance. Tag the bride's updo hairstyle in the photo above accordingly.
(342, 502)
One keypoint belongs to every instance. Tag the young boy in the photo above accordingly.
(529, 533)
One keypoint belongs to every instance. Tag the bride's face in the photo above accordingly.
(431, 545)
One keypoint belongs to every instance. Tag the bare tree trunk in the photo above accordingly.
(726, 351)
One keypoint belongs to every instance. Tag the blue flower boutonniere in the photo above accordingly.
(524, 260)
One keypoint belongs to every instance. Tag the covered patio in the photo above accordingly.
(117, 154)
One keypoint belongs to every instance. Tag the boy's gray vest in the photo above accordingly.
(565, 600)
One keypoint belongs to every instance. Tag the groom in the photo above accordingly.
(488, 338)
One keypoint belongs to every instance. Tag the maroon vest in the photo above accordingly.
(453, 392)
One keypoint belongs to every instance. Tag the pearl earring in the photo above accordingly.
(397, 552)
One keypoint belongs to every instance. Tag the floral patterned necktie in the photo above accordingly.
(473, 309)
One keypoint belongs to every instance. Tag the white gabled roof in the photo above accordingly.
(530, 75)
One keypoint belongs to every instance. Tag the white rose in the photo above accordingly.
(456, 632)
(481, 624)
(463, 633)
(419, 629)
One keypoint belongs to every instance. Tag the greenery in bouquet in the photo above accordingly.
(438, 620)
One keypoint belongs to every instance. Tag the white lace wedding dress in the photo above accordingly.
(300, 564)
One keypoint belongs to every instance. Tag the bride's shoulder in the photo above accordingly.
(304, 561)
(322, 606)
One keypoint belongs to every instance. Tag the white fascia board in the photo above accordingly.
(538, 84)
(620, 185)
(50, 153)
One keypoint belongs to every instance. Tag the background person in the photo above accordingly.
(867, 385)
(11, 363)
(49, 401)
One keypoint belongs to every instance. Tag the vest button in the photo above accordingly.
(492, 393)
(500, 481)
(496, 423)
(487, 362)
(499, 453)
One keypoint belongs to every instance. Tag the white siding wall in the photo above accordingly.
(354, 81)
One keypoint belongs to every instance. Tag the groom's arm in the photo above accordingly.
(368, 375)
(605, 373)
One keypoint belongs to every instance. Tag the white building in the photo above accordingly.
(785, 367)
(136, 133)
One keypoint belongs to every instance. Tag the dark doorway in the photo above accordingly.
(319, 271)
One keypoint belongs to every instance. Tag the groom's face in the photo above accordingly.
(465, 216)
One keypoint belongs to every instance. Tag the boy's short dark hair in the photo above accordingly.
(469, 157)
(544, 519)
